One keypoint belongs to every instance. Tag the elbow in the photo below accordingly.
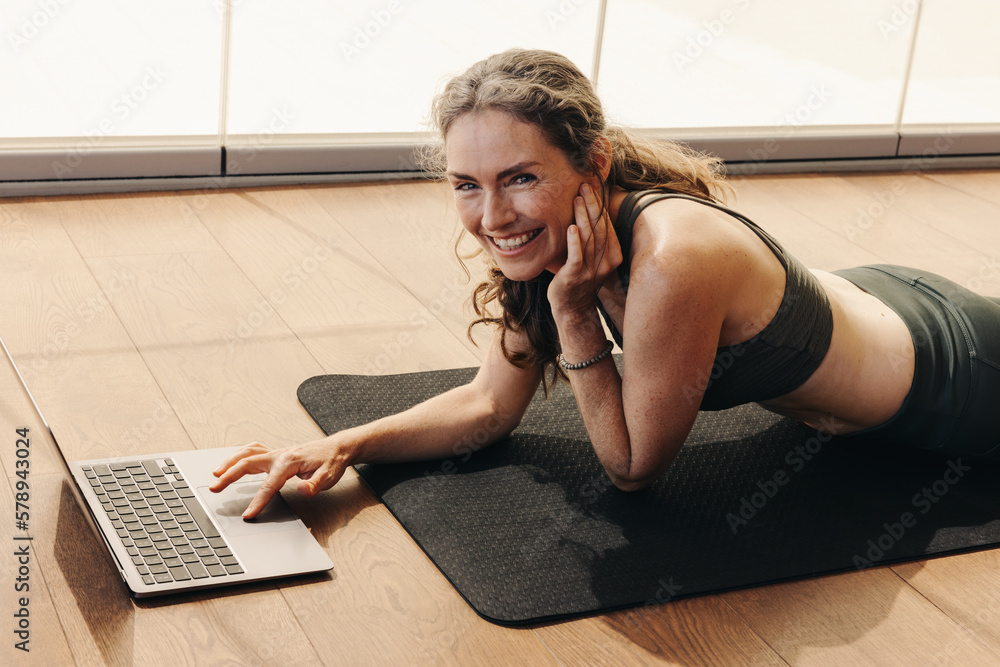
(629, 485)
(500, 422)
(641, 473)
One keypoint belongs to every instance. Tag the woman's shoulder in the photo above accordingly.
(678, 228)
(688, 255)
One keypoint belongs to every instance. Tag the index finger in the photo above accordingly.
(268, 488)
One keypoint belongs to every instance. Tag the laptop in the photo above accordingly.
(167, 533)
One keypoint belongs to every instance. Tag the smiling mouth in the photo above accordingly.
(514, 242)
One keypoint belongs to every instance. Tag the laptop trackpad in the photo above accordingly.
(228, 505)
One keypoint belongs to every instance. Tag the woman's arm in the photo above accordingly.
(676, 307)
(458, 421)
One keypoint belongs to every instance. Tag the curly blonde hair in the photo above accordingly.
(547, 90)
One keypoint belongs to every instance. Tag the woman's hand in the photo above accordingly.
(319, 465)
(592, 254)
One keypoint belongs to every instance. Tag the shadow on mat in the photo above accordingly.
(846, 509)
(532, 529)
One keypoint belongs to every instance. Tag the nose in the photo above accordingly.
(497, 211)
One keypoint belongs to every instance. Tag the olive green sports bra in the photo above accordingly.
(783, 354)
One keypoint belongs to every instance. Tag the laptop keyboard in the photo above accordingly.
(166, 532)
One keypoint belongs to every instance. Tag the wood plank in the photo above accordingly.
(980, 184)
(347, 308)
(305, 260)
(786, 209)
(411, 228)
(417, 344)
(136, 223)
(871, 218)
(963, 242)
(65, 357)
(701, 630)
(67, 340)
(870, 617)
(967, 588)
(388, 603)
(184, 314)
(31, 234)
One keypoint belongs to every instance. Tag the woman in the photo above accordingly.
(710, 311)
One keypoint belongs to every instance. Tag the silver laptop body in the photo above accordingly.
(167, 533)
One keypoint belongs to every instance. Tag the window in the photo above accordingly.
(202, 88)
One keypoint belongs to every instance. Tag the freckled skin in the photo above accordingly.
(493, 202)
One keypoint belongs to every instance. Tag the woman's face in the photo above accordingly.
(514, 191)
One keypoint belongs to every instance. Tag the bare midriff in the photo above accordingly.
(867, 372)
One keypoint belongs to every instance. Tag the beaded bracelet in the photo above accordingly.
(589, 362)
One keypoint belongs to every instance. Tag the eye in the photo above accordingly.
(464, 187)
(523, 179)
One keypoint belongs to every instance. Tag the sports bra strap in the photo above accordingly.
(636, 202)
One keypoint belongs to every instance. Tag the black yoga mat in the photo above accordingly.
(531, 529)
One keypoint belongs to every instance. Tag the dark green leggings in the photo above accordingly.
(953, 402)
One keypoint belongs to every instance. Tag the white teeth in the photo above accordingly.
(515, 241)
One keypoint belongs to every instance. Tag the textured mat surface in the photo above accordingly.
(531, 529)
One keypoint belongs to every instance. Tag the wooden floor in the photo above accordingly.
(152, 322)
